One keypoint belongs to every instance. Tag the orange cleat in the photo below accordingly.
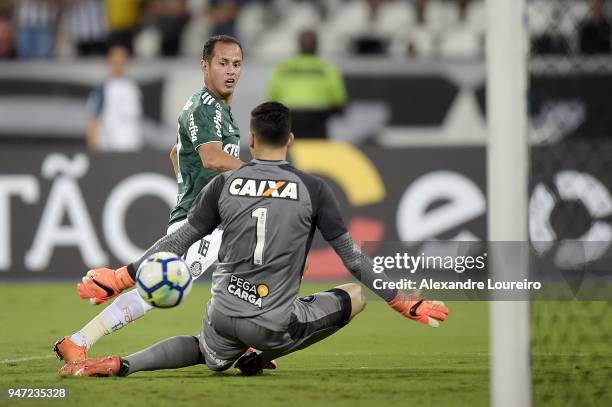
(104, 367)
(69, 351)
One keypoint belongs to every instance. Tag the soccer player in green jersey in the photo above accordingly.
(207, 143)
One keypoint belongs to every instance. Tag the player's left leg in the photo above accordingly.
(217, 349)
(129, 306)
(126, 308)
(315, 317)
(171, 353)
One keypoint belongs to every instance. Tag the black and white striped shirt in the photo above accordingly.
(88, 20)
(37, 13)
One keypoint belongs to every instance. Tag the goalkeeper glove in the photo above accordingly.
(426, 312)
(101, 284)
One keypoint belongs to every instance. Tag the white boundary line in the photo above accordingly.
(26, 359)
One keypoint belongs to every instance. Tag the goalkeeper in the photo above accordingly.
(270, 211)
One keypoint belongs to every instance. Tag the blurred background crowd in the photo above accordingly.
(399, 28)
(66, 55)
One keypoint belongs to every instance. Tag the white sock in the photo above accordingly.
(126, 308)
(79, 339)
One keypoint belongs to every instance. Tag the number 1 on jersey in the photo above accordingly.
(262, 215)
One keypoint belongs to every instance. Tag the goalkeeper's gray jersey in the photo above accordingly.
(269, 211)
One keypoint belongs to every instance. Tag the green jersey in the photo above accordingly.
(204, 119)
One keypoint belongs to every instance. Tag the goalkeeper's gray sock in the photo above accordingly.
(171, 353)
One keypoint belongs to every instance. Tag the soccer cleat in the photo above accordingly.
(426, 312)
(69, 351)
(251, 364)
(101, 284)
(271, 364)
(104, 367)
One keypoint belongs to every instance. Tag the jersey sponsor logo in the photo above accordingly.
(193, 129)
(188, 105)
(179, 147)
(247, 291)
(232, 149)
(207, 99)
(256, 188)
(231, 129)
(211, 353)
(217, 121)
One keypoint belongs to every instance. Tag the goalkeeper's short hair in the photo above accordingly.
(271, 123)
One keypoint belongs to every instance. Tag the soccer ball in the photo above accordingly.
(163, 280)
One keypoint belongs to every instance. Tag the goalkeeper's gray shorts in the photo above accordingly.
(224, 339)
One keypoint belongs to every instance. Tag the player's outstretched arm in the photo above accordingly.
(101, 284)
(409, 305)
(332, 227)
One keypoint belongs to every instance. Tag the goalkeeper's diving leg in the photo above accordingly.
(130, 306)
(315, 318)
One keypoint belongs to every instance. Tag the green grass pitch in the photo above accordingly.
(380, 358)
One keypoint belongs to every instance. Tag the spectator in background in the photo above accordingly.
(171, 17)
(7, 37)
(123, 18)
(36, 26)
(312, 88)
(421, 11)
(88, 26)
(595, 31)
(116, 108)
(370, 42)
(222, 15)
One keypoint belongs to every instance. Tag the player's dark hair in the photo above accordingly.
(271, 123)
(209, 47)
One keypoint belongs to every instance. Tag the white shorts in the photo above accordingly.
(203, 253)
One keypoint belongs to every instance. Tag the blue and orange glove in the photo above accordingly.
(101, 284)
(426, 312)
